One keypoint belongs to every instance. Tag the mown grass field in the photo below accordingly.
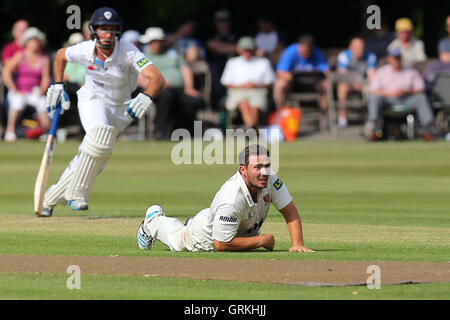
(358, 201)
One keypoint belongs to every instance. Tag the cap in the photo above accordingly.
(151, 34)
(222, 14)
(403, 24)
(33, 33)
(246, 43)
(131, 35)
(395, 52)
(75, 38)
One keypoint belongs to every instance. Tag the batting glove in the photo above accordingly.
(138, 106)
(56, 95)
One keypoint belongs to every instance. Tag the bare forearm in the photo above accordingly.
(155, 83)
(59, 65)
(240, 244)
(295, 231)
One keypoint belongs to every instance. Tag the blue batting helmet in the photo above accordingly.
(105, 16)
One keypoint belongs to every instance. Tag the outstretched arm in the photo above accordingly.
(294, 225)
(266, 241)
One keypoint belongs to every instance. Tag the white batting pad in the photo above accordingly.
(95, 150)
(55, 194)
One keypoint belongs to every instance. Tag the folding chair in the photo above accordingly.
(440, 100)
(202, 80)
(303, 94)
(359, 104)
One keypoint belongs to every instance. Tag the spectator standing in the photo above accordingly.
(394, 84)
(220, 48)
(247, 79)
(379, 39)
(412, 49)
(30, 84)
(185, 42)
(444, 43)
(355, 59)
(301, 56)
(179, 100)
(270, 41)
(14, 46)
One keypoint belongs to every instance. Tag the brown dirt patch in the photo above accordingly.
(311, 273)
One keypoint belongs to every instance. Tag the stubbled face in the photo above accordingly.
(256, 174)
(106, 35)
(357, 48)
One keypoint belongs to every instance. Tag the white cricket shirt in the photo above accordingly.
(233, 212)
(116, 78)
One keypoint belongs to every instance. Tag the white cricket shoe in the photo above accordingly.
(144, 239)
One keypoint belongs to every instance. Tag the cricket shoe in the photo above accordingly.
(144, 240)
(77, 204)
(152, 212)
(45, 213)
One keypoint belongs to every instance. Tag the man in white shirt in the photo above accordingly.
(412, 49)
(104, 105)
(247, 79)
(235, 216)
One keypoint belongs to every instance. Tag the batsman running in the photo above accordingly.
(235, 216)
(105, 109)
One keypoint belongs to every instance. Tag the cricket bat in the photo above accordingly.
(44, 170)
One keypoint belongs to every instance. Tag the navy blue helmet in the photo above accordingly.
(105, 16)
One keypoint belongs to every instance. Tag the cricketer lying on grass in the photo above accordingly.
(234, 219)
(112, 69)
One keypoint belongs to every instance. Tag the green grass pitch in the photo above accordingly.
(358, 201)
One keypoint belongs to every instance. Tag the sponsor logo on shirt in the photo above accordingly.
(278, 184)
(142, 62)
(228, 219)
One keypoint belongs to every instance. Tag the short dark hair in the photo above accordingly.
(307, 40)
(252, 150)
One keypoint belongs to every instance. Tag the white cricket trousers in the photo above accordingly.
(93, 112)
(178, 237)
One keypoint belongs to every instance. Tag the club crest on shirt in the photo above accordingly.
(278, 184)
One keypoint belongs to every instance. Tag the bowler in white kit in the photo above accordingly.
(112, 69)
(235, 216)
